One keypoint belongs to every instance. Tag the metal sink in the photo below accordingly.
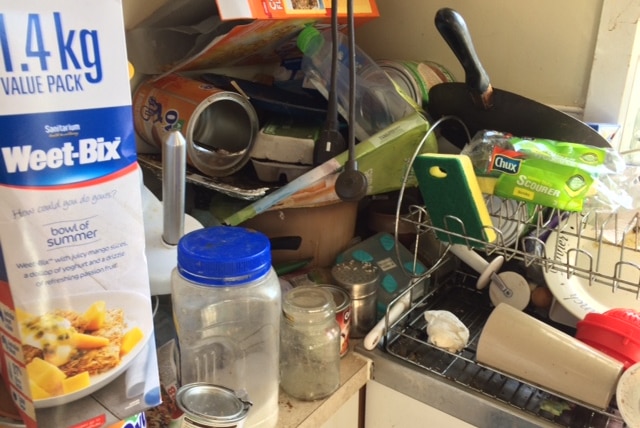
(459, 386)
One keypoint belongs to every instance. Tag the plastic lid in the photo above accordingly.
(627, 315)
(224, 255)
(309, 40)
(308, 304)
(341, 297)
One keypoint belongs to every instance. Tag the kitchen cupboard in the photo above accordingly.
(386, 407)
(345, 416)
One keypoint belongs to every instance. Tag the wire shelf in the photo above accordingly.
(602, 248)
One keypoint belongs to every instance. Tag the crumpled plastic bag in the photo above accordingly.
(446, 331)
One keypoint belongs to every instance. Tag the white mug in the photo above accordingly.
(517, 344)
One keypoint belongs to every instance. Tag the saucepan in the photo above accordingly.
(481, 106)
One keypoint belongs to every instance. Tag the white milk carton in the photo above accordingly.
(75, 312)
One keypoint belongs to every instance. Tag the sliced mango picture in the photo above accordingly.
(95, 315)
(76, 382)
(46, 375)
(88, 341)
(130, 340)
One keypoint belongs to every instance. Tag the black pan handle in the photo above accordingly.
(454, 31)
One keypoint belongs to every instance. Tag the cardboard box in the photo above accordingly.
(76, 320)
(285, 9)
(317, 234)
(187, 35)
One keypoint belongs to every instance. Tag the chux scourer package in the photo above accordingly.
(564, 175)
(75, 311)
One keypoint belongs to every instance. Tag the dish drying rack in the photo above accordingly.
(567, 254)
(406, 338)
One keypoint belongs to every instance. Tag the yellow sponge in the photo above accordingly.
(453, 198)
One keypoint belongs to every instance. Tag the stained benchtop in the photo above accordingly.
(355, 372)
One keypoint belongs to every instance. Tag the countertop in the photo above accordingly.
(355, 372)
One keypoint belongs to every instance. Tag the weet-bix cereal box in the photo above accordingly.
(75, 312)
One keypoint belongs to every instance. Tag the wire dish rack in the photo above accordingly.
(600, 249)
(603, 249)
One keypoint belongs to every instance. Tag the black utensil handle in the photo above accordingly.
(454, 31)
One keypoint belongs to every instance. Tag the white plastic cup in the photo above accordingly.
(517, 344)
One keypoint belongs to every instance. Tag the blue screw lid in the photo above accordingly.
(224, 256)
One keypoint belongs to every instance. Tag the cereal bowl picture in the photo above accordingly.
(79, 344)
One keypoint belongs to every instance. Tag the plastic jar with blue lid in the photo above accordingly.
(226, 307)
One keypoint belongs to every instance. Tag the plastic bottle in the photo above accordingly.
(379, 101)
(226, 307)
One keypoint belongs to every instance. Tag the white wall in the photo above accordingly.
(540, 49)
(614, 88)
(136, 10)
(578, 55)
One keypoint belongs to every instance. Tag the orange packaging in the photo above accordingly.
(283, 9)
(254, 32)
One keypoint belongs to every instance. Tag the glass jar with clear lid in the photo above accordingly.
(309, 344)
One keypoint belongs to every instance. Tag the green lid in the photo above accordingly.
(309, 40)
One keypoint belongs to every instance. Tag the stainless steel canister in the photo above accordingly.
(361, 280)
(219, 126)
(207, 405)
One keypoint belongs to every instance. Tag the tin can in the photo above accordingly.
(219, 126)
(416, 78)
(211, 406)
(343, 314)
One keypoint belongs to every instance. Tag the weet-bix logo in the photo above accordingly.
(506, 164)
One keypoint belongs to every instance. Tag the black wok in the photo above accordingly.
(480, 106)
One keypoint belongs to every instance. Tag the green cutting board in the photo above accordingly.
(453, 199)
